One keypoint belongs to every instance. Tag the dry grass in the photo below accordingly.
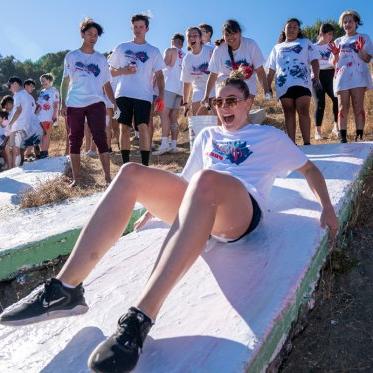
(57, 189)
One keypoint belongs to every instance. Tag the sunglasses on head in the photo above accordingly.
(228, 101)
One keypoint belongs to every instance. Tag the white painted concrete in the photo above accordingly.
(16, 180)
(220, 314)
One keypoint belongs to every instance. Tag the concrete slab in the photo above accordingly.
(257, 116)
(16, 180)
(233, 309)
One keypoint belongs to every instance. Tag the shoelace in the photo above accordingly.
(128, 333)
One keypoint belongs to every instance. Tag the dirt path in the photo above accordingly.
(338, 335)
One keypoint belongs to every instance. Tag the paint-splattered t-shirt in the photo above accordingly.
(46, 101)
(255, 154)
(248, 54)
(351, 71)
(291, 61)
(147, 59)
(172, 74)
(324, 54)
(88, 72)
(195, 70)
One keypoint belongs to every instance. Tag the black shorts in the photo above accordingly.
(257, 214)
(296, 91)
(133, 109)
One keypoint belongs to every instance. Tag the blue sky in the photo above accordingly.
(30, 29)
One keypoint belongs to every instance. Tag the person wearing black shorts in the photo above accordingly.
(133, 64)
(290, 59)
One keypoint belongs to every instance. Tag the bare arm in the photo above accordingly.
(210, 85)
(16, 115)
(159, 78)
(262, 78)
(270, 76)
(110, 94)
(126, 70)
(64, 88)
(315, 69)
(170, 56)
(317, 184)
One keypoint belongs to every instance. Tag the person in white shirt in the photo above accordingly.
(29, 85)
(289, 60)
(326, 35)
(20, 117)
(173, 59)
(222, 192)
(47, 109)
(86, 77)
(351, 56)
(195, 73)
(237, 51)
(207, 32)
(133, 64)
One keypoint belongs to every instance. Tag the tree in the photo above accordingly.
(312, 32)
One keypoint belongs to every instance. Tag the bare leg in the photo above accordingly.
(343, 108)
(105, 162)
(75, 168)
(125, 137)
(144, 136)
(206, 208)
(130, 185)
(357, 95)
(302, 105)
(174, 113)
(165, 122)
(46, 139)
(288, 105)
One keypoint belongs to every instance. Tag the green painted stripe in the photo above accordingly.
(273, 343)
(35, 253)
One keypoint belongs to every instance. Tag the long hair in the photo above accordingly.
(282, 36)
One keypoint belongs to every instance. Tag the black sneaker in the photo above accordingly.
(48, 301)
(121, 351)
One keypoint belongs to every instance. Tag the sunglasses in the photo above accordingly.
(229, 101)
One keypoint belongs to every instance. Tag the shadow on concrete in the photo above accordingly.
(73, 358)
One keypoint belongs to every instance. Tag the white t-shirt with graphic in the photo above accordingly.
(351, 71)
(255, 154)
(88, 73)
(147, 59)
(34, 127)
(248, 54)
(291, 61)
(324, 54)
(195, 70)
(46, 101)
(172, 74)
(27, 102)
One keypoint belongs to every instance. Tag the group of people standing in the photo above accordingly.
(26, 123)
(224, 189)
(136, 81)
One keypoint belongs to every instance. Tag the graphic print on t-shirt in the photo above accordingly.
(325, 54)
(237, 64)
(141, 56)
(235, 151)
(200, 69)
(90, 68)
(292, 66)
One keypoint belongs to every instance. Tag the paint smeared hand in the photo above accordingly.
(359, 43)
(333, 48)
(158, 105)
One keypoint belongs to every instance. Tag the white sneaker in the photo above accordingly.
(318, 136)
(174, 150)
(162, 150)
(335, 131)
(91, 153)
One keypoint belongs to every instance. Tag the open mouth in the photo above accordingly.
(229, 118)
